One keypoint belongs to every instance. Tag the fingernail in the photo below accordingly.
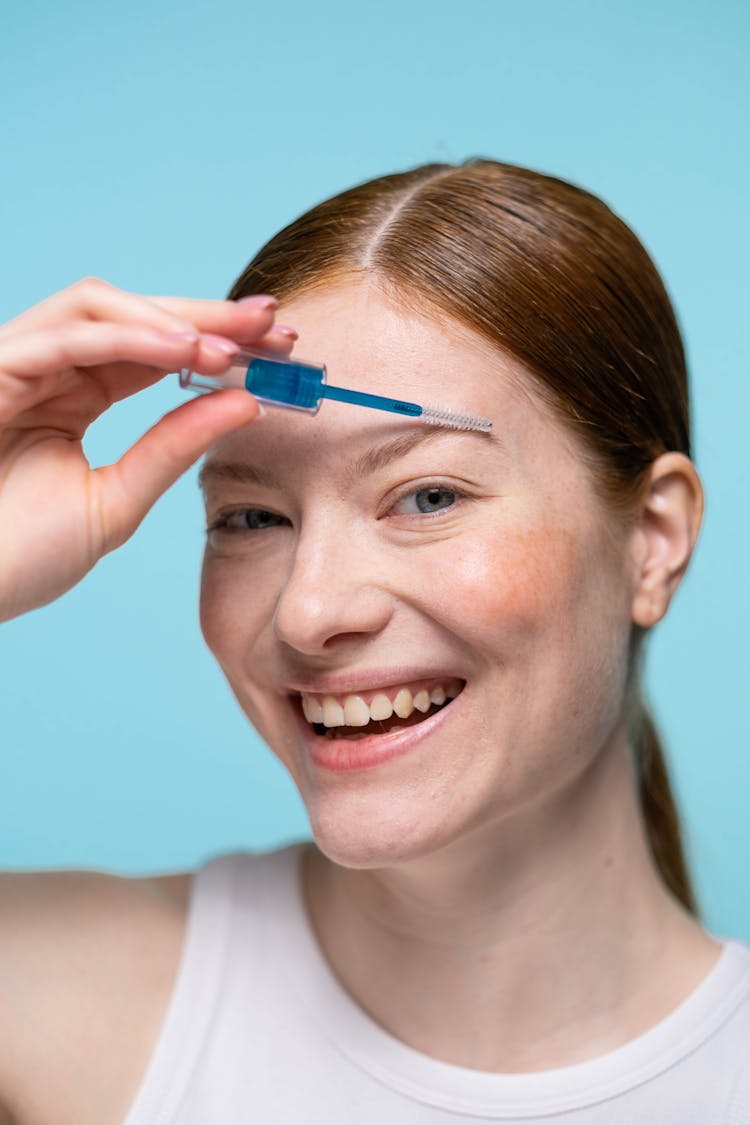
(219, 342)
(259, 301)
(284, 331)
(192, 336)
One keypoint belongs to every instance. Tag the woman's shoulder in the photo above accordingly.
(88, 961)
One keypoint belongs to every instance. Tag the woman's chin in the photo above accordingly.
(362, 842)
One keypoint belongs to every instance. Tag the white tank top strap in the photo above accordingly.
(197, 986)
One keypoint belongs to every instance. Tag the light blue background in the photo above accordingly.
(157, 145)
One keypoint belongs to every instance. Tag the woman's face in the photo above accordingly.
(369, 560)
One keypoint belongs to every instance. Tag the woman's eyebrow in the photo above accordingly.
(382, 455)
(243, 472)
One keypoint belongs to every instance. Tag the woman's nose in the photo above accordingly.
(331, 596)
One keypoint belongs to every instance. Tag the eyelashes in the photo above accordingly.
(428, 502)
(431, 498)
(256, 519)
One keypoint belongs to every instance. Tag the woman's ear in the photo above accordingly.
(665, 533)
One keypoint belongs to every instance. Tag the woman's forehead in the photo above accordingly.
(369, 343)
(341, 314)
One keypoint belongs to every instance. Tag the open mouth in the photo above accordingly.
(353, 717)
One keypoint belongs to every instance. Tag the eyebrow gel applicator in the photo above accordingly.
(295, 385)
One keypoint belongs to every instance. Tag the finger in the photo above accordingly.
(277, 340)
(28, 362)
(91, 298)
(120, 380)
(130, 487)
(89, 344)
(237, 321)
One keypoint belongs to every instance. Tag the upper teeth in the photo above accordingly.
(354, 711)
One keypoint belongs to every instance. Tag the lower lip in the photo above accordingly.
(339, 754)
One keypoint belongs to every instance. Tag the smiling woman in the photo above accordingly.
(440, 634)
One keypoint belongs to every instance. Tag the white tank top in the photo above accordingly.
(258, 1030)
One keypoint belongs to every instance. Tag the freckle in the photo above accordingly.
(608, 861)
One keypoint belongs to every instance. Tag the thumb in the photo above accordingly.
(131, 486)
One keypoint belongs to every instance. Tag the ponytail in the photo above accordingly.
(660, 813)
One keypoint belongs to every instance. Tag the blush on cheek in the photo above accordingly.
(527, 579)
(549, 572)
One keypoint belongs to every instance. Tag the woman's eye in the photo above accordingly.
(248, 519)
(426, 500)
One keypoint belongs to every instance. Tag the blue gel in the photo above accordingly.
(289, 384)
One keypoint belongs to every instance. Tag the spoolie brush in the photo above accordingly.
(435, 416)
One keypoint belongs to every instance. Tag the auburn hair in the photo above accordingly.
(546, 271)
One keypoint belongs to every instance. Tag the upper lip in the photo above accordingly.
(349, 683)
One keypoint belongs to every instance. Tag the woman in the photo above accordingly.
(440, 635)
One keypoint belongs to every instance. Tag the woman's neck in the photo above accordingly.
(527, 945)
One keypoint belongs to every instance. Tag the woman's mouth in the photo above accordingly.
(375, 713)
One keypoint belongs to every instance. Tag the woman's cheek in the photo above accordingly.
(231, 607)
(525, 580)
(232, 615)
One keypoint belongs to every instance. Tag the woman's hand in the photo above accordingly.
(62, 364)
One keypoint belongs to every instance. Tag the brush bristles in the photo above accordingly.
(434, 416)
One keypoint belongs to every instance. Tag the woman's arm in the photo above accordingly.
(88, 961)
